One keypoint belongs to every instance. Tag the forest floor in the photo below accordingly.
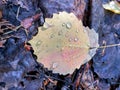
(19, 69)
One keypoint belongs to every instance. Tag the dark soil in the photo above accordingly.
(19, 69)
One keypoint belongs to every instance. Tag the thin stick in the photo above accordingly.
(15, 29)
(17, 15)
(106, 46)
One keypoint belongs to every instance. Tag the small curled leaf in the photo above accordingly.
(113, 6)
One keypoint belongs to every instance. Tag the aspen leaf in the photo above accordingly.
(113, 6)
(62, 43)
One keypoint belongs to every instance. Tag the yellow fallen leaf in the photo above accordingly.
(113, 6)
(62, 43)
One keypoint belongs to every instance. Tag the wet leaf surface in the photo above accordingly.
(67, 46)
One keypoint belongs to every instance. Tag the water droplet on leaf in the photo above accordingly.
(46, 26)
(60, 33)
(76, 39)
(39, 43)
(77, 31)
(68, 25)
(70, 40)
(52, 36)
(63, 24)
(54, 65)
(58, 46)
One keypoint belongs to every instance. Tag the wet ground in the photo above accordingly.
(19, 69)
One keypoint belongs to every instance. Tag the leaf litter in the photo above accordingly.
(25, 63)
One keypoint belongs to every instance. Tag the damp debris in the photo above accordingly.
(63, 43)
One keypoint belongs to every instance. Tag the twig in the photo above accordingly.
(17, 15)
(58, 79)
(106, 46)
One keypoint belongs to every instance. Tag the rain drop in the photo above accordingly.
(58, 46)
(60, 33)
(76, 39)
(63, 24)
(39, 43)
(70, 40)
(77, 31)
(46, 25)
(84, 30)
(68, 25)
(54, 65)
(52, 36)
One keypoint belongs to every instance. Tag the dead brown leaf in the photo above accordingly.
(2, 42)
